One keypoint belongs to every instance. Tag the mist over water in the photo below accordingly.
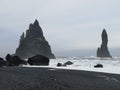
(70, 53)
(87, 52)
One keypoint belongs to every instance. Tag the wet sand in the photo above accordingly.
(31, 78)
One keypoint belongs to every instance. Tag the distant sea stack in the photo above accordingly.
(103, 50)
(33, 43)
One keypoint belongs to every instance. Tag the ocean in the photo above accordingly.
(86, 64)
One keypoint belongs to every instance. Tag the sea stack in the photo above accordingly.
(33, 43)
(103, 50)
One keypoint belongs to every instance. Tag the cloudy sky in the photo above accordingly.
(68, 25)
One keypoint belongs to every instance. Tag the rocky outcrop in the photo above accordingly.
(59, 65)
(68, 63)
(15, 60)
(103, 50)
(38, 60)
(33, 43)
(98, 66)
(2, 62)
(64, 64)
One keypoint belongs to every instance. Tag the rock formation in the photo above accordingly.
(15, 60)
(103, 50)
(59, 65)
(38, 60)
(98, 66)
(68, 63)
(33, 43)
(2, 62)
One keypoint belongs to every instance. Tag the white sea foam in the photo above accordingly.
(87, 64)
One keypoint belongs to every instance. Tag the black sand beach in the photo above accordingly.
(24, 78)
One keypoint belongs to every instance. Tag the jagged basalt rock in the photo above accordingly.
(33, 43)
(103, 50)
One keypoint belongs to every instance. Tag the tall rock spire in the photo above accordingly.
(103, 50)
(104, 37)
(34, 43)
(36, 22)
(22, 38)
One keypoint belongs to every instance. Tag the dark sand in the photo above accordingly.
(21, 78)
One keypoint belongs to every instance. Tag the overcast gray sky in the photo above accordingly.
(68, 25)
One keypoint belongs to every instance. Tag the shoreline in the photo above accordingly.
(98, 70)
